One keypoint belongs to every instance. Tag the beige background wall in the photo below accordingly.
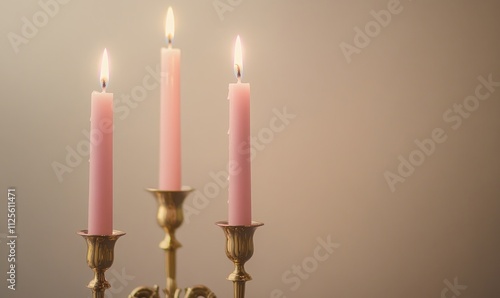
(357, 107)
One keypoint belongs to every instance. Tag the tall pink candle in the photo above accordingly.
(170, 122)
(101, 158)
(240, 209)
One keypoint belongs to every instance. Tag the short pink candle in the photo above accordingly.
(170, 122)
(240, 209)
(101, 158)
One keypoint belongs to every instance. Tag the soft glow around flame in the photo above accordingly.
(238, 59)
(104, 70)
(169, 26)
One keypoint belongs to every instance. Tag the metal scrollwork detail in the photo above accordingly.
(199, 291)
(145, 292)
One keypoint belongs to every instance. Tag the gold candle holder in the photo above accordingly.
(100, 255)
(170, 216)
(239, 249)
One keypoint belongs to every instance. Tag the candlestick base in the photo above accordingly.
(239, 249)
(100, 256)
(153, 292)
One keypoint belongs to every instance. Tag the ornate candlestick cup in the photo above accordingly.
(239, 249)
(100, 256)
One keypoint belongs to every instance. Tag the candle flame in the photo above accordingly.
(104, 78)
(238, 59)
(169, 26)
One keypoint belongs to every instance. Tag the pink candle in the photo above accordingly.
(240, 209)
(101, 158)
(170, 122)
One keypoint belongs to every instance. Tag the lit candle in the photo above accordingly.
(170, 124)
(101, 157)
(240, 209)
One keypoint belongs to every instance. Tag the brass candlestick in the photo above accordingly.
(170, 216)
(100, 255)
(239, 249)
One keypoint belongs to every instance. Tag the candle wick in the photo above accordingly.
(237, 71)
(169, 41)
(103, 86)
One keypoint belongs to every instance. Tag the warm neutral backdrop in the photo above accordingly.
(370, 136)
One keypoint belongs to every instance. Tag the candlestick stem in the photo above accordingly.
(239, 289)
(170, 266)
(170, 216)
